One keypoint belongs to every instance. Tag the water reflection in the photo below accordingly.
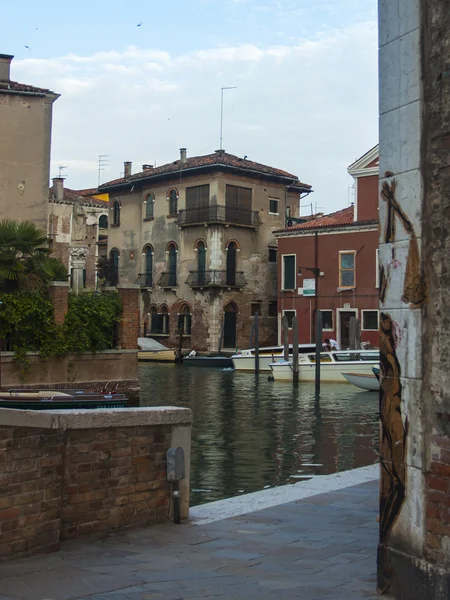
(250, 434)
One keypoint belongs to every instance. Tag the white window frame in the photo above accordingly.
(283, 289)
(347, 287)
(277, 200)
(362, 318)
(332, 318)
(338, 321)
(377, 268)
(285, 310)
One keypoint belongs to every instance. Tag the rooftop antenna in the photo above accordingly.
(61, 168)
(221, 112)
(103, 160)
(351, 195)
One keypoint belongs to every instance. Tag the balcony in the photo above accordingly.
(225, 215)
(216, 279)
(168, 279)
(144, 280)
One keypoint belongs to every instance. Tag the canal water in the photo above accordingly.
(250, 434)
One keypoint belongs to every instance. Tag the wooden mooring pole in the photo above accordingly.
(256, 343)
(318, 349)
(285, 329)
(294, 351)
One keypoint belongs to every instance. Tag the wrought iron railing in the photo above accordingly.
(203, 279)
(168, 279)
(145, 280)
(219, 214)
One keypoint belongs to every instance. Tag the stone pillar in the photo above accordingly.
(414, 545)
(59, 295)
(78, 262)
(129, 326)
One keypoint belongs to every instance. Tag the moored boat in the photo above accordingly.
(332, 366)
(245, 359)
(51, 400)
(365, 381)
(223, 362)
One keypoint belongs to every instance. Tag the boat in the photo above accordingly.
(55, 399)
(151, 350)
(244, 360)
(222, 362)
(332, 365)
(365, 381)
(376, 372)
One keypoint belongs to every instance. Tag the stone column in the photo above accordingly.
(78, 262)
(129, 326)
(414, 546)
(59, 295)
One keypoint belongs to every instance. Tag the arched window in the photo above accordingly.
(150, 206)
(201, 263)
(116, 213)
(231, 263)
(172, 264)
(114, 267)
(103, 222)
(164, 320)
(173, 202)
(184, 320)
(230, 325)
(153, 319)
(148, 264)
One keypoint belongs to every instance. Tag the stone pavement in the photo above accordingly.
(322, 547)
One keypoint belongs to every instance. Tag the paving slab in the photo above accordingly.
(319, 548)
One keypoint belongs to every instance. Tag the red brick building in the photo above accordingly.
(331, 263)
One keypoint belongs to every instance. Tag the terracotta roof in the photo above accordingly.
(15, 86)
(218, 158)
(74, 197)
(339, 218)
(87, 192)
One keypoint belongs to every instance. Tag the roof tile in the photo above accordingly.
(336, 219)
(15, 86)
(74, 197)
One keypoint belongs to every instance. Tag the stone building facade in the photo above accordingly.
(25, 125)
(77, 228)
(197, 235)
(414, 545)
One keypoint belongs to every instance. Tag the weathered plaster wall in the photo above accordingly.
(414, 545)
(25, 123)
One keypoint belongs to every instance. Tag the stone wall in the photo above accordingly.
(414, 548)
(85, 472)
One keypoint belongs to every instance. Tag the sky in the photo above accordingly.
(139, 80)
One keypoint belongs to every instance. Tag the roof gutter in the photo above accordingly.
(302, 186)
(313, 230)
(38, 94)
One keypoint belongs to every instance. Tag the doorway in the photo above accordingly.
(231, 263)
(229, 325)
(344, 327)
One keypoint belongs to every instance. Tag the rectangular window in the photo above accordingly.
(255, 308)
(273, 309)
(289, 275)
(238, 205)
(377, 268)
(370, 320)
(289, 314)
(327, 320)
(273, 206)
(272, 255)
(347, 269)
(197, 197)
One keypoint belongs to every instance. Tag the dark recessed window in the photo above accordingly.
(327, 319)
(272, 255)
(273, 309)
(273, 206)
(370, 320)
(289, 314)
(255, 308)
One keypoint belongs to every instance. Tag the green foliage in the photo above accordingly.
(27, 324)
(91, 322)
(25, 261)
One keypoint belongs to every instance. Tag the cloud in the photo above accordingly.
(307, 105)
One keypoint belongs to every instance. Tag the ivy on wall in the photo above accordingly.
(27, 324)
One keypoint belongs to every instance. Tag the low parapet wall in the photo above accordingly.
(64, 474)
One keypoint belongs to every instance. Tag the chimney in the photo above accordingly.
(58, 188)
(183, 156)
(5, 64)
(127, 168)
(147, 167)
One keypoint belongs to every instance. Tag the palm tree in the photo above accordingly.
(25, 260)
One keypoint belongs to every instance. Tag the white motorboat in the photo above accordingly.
(332, 365)
(363, 381)
(245, 359)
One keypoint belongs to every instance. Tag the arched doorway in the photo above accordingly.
(172, 264)
(114, 270)
(231, 263)
(229, 325)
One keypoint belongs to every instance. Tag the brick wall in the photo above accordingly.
(59, 295)
(30, 490)
(437, 520)
(129, 326)
(67, 480)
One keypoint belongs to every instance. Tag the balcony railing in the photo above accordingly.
(168, 279)
(218, 279)
(219, 214)
(145, 280)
